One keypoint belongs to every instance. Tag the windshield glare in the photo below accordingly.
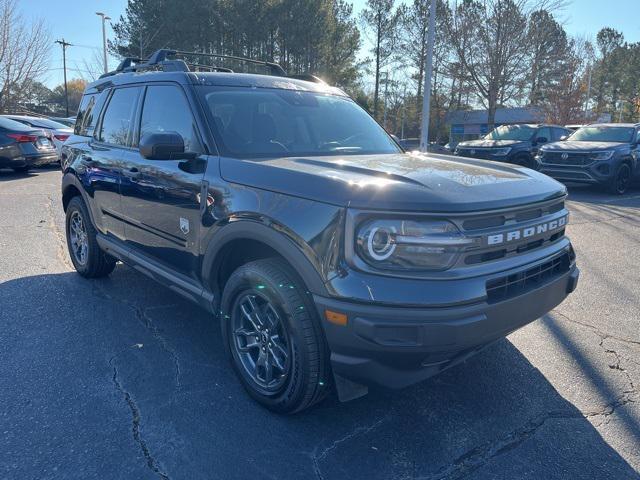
(280, 123)
(603, 134)
(511, 132)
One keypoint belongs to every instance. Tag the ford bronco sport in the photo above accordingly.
(330, 257)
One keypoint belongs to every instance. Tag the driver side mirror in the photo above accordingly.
(563, 138)
(541, 140)
(164, 146)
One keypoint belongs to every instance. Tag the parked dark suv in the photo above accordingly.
(517, 144)
(601, 154)
(328, 255)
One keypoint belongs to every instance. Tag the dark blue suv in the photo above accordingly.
(516, 144)
(328, 255)
(599, 154)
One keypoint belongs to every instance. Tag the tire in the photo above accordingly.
(94, 263)
(23, 169)
(280, 303)
(620, 182)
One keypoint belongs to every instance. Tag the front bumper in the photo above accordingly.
(395, 347)
(595, 173)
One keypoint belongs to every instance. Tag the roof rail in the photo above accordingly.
(308, 77)
(160, 60)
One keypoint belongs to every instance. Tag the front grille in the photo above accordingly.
(482, 153)
(572, 159)
(509, 286)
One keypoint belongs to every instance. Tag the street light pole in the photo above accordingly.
(64, 68)
(428, 68)
(104, 39)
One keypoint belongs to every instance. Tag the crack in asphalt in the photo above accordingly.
(354, 433)
(135, 423)
(147, 322)
(477, 457)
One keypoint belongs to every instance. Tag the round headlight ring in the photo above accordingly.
(380, 245)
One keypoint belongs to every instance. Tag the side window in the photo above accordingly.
(118, 118)
(93, 113)
(544, 132)
(86, 105)
(166, 110)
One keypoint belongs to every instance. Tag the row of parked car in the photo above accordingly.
(30, 141)
(604, 154)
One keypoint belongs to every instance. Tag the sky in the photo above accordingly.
(77, 23)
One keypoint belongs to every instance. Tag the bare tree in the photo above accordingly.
(564, 97)
(24, 53)
(489, 40)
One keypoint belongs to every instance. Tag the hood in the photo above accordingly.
(570, 146)
(410, 182)
(489, 143)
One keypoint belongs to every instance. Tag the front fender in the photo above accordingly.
(294, 250)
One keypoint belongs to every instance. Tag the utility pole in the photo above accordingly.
(64, 68)
(586, 102)
(428, 69)
(104, 39)
(404, 107)
(384, 116)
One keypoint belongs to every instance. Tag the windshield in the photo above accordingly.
(511, 132)
(279, 123)
(603, 134)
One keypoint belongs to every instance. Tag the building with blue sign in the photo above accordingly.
(472, 124)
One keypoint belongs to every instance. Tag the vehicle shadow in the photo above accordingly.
(153, 364)
(6, 174)
(597, 196)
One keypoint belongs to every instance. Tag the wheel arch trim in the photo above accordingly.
(254, 230)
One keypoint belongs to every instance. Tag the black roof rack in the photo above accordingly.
(160, 60)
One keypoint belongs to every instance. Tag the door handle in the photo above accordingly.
(87, 161)
(132, 172)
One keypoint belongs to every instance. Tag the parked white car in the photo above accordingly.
(56, 131)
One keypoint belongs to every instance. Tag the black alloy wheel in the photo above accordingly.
(273, 336)
(261, 341)
(621, 181)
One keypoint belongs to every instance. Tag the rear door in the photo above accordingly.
(161, 198)
(104, 157)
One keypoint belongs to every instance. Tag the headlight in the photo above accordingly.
(410, 244)
(606, 155)
(501, 152)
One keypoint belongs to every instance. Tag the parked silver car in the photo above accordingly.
(56, 131)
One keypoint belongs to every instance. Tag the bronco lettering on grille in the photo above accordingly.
(527, 232)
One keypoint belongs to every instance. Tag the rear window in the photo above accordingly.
(45, 123)
(9, 124)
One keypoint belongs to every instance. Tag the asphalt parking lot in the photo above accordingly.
(121, 378)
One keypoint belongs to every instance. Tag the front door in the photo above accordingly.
(102, 160)
(161, 198)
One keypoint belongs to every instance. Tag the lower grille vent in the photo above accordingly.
(510, 286)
